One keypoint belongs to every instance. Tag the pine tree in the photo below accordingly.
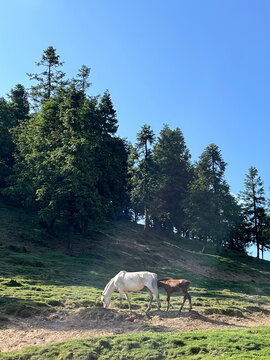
(253, 202)
(6, 144)
(209, 201)
(67, 166)
(141, 192)
(19, 103)
(82, 78)
(12, 113)
(111, 158)
(49, 79)
(173, 173)
(265, 232)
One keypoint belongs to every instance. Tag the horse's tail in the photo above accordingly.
(155, 281)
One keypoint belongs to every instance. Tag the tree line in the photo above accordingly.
(60, 155)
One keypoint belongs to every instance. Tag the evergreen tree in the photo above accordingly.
(82, 78)
(67, 165)
(49, 79)
(11, 114)
(6, 144)
(19, 103)
(173, 173)
(110, 158)
(253, 203)
(209, 201)
(132, 208)
(141, 194)
(265, 233)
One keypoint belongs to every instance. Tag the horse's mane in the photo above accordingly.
(108, 285)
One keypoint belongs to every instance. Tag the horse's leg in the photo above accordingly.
(127, 297)
(190, 304)
(150, 300)
(121, 297)
(184, 300)
(154, 290)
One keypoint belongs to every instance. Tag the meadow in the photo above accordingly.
(39, 279)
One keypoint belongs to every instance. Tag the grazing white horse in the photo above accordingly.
(131, 281)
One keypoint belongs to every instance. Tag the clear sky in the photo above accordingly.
(202, 66)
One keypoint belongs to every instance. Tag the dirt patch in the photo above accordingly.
(17, 333)
(227, 312)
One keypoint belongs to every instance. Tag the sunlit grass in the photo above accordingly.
(36, 275)
(207, 345)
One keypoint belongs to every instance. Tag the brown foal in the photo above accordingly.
(171, 286)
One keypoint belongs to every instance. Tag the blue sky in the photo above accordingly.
(202, 66)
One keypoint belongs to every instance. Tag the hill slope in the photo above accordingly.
(47, 295)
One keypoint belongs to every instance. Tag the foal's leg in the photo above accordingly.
(189, 299)
(184, 300)
(168, 300)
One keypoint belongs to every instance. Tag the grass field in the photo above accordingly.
(230, 344)
(38, 277)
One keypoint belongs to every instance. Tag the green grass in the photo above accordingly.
(38, 277)
(206, 345)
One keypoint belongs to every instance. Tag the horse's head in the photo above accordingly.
(106, 300)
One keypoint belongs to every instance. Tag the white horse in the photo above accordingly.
(131, 281)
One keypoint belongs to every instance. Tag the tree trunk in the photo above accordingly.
(146, 219)
(258, 250)
(204, 241)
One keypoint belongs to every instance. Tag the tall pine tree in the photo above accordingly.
(141, 193)
(172, 174)
(254, 201)
(209, 201)
(49, 79)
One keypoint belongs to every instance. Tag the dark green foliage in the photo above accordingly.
(70, 165)
(212, 212)
(142, 184)
(172, 175)
(49, 79)
(11, 114)
(254, 202)
(6, 145)
(81, 81)
(19, 103)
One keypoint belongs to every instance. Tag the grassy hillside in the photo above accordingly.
(207, 345)
(37, 277)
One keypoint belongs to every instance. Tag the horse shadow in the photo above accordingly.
(192, 315)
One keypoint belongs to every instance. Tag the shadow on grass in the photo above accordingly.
(193, 315)
(23, 308)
